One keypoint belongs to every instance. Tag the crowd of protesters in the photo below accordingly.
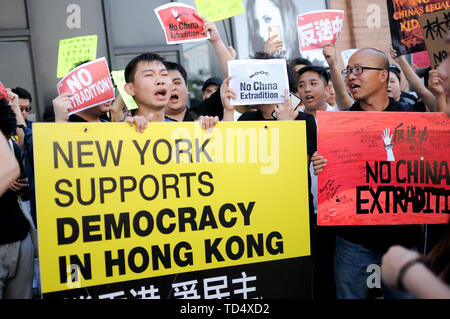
(370, 82)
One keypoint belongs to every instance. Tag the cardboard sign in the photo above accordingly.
(406, 33)
(160, 213)
(73, 51)
(219, 9)
(90, 84)
(119, 80)
(316, 28)
(180, 23)
(258, 81)
(434, 29)
(384, 168)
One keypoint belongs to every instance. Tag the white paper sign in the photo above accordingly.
(258, 81)
(346, 55)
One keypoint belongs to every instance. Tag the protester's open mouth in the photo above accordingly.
(354, 87)
(161, 94)
(309, 98)
(174, 98)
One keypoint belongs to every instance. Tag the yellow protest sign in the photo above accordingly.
(75, 50)
(116, 206)
(119, 81)
(219, 10)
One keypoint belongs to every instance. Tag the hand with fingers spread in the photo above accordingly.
(62, 105)
(387, 139)
(319, 163)
(284, 111)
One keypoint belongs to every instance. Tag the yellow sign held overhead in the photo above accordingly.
(219, 10)
(72, 51)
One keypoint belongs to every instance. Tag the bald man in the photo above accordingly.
(358, 247)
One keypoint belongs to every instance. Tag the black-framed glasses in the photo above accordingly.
(357, 70)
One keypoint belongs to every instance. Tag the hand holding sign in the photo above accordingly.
(90, 84)
(285, 111)
(62, 105)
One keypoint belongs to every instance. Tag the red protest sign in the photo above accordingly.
(180, 23)
(383, 168)
(90, 84)
(316, 28)
(3, 93)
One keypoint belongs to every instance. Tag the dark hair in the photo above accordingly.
(131, 67)
(298, 61)
(8, 122)
(172, 66)
(260, 55)
(22, 93)
(394, 69)
(322, 72)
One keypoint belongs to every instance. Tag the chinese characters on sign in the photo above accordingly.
(434, 28)
(319, 27)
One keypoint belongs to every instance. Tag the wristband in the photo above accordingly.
(405, 267)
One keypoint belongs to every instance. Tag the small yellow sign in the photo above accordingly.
(119, 81)
(72, 51)
(219, 10)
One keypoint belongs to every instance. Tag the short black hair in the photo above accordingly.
(322, 72)
(22, 93)
(130, 69)
(396, 70)
(173, 66)
(300, 60)
(8, 122)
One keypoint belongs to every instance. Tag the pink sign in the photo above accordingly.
(317, 28)
(90, 85)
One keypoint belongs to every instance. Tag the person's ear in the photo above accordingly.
(129, 88)
(384, 76)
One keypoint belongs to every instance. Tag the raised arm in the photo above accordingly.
(223, 53)
(416, 84)
(14, 98)
(343, 100)
(9, 170)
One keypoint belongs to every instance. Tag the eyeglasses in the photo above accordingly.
(25, 108)
(357, 70)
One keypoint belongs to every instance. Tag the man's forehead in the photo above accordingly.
(175, 75)
(309, 75)
(150, 65)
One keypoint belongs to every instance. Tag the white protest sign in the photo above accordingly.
(258, 81)
(346, 54)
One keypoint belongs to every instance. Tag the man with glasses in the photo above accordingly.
(24, 103)
(357, 247)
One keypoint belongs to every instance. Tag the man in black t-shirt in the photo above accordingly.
(358, 247)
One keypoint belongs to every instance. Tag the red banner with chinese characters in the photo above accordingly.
(383, 168)
(317, 28)
(180, 23)
(90, 84)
